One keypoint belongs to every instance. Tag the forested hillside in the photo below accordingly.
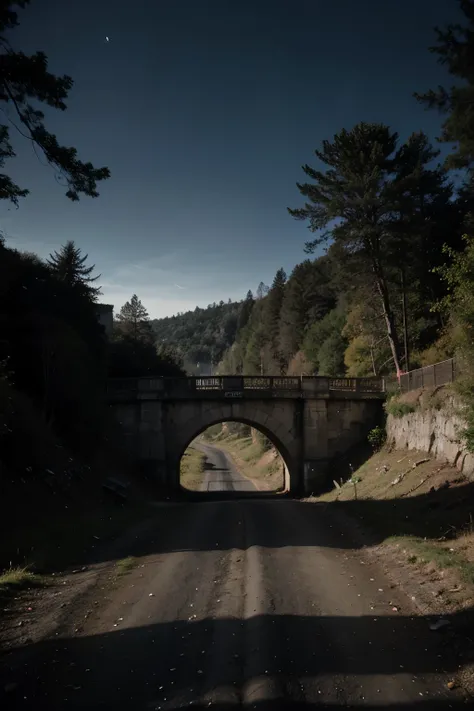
(200, 336)
(391, 287)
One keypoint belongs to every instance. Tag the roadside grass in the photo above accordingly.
(18, 579)
(125, 565)
(422, 552)
(192, 469)
(257, 464)
(426, 509)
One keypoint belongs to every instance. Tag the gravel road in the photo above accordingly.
(220, 472)
(257, 603)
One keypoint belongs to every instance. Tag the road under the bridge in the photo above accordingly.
(221, 472)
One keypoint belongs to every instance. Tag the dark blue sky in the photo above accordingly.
(205, 110)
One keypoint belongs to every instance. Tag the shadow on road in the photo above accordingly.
(125, 667)
(436, 515)
(432, 516)
(181, 659)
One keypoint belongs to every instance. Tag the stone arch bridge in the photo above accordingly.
(312, 421)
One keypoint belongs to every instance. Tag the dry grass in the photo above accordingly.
(125, 565)
(443, 557)
(264, 468)
(426, 506)
(19, 578)
(192, 469)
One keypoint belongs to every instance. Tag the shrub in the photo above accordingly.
(398, 409)
(377, 437)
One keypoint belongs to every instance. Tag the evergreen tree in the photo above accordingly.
(324, 344)
(455, 50)
(70, 267)
(245, 311)
(134, 323)
(376, 198)
(25, 79)
(292, 315)
(273, 306)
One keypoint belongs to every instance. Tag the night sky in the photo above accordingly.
(204, 111)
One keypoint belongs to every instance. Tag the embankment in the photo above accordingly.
(253, 454)
(413, 501)
(53, 506)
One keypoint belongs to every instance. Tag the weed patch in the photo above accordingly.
(19, 578)
(125, 565)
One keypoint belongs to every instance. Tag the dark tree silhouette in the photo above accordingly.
(24, 82)
(69, 266)
(455, 48)
(134, 322)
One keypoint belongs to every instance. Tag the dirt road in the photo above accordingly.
(262, 604)
(220, 472)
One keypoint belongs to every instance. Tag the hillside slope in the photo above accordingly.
(200, 336)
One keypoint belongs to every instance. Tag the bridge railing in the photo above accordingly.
(239, 385)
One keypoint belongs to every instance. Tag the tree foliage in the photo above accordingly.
(454, 50)
(202, 336)
(25, 84)
(133, 322)
(70, 267)
(373, 200)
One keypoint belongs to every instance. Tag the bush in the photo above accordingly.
(377, 437)
(398, 409)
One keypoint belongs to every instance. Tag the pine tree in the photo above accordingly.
(324, 344)
(245, 311)
(455, 50)
(369, 195)
(273, 306)
(70, 267)
(24, 79)
(134, 323)
(292, 315)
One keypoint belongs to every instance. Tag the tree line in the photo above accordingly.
(53, 347)
(200, 337)
(55, 357)
(390, 220)
(391, 291)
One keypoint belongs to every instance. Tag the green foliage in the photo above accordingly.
(324, 344)
(202, 336)
(398, 409)
(377, 437)
(454, 49)
(308, 296)
(377, 199)
(273, 306)
(26, 82)
(458, 304)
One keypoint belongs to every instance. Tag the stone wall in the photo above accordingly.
(435, 430)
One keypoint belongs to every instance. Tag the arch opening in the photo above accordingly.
(236, 456)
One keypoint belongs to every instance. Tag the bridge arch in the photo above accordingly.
(274, 425)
